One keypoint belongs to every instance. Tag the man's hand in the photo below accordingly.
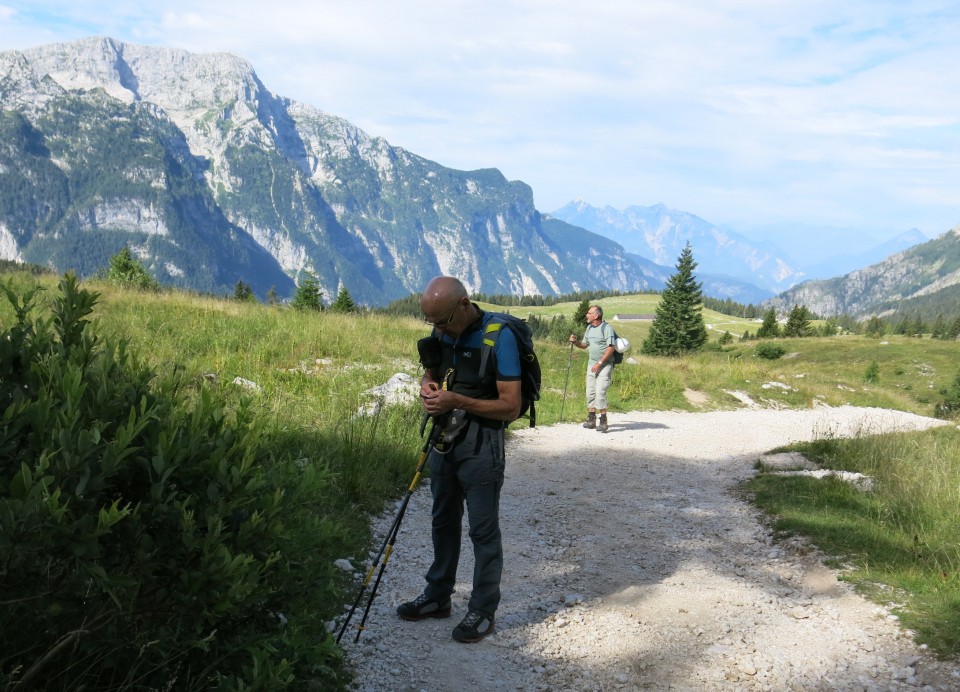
(434, 399)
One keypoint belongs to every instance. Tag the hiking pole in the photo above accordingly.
(387, 548)
(569, 363)
(435, 433)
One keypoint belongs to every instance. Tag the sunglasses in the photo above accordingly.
(443, 323)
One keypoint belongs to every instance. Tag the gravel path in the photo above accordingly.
(629, 564)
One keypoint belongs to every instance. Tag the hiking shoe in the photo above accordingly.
(423, 607)
(591, 422)
(474, 627)
(602, 426)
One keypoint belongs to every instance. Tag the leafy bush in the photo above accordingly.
(151, 540)
(768, 350)
(872, 374)
(950, 406)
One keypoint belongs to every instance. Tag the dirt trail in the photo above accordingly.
(630, 564)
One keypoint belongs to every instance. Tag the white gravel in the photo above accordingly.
(629, 564)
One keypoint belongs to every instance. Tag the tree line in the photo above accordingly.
(125, 269)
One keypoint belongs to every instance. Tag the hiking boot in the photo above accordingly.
(591, 421)
(602, 426)
(423, 607)
(474, 627)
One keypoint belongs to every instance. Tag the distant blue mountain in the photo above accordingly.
(844, 264)
(730, 265)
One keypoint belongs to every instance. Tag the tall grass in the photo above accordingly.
(899, 542)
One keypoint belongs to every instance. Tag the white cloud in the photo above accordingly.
(767, 109)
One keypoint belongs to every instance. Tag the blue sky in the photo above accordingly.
(764, 115)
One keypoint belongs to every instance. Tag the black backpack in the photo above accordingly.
(529, 363)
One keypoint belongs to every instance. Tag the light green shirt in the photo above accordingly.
(597, 339)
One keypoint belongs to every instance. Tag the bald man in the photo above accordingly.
(471, 467)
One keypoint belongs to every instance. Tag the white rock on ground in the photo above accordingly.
(630, 564)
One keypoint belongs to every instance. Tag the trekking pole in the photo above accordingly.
(387, 548)
(567, 382)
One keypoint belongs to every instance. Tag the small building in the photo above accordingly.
(627, 317)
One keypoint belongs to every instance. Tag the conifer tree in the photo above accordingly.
(798, 323)
(243, 292)
(308, 294)
(769, 329)
(954, 332)
(580, 316)
(876, 327)
(939, 327)
(127, 270)
(344, 303)
(678, 323)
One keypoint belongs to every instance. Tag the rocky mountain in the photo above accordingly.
(923, 275)
(212, 179)
(729, 264)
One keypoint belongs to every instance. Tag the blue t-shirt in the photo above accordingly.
(464, 354)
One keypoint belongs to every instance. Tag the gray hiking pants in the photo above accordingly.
(471, 472)
(597, 386)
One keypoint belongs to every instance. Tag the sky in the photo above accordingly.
(770, 117)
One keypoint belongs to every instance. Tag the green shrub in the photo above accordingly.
(872, 374)
(150, 538)
(768, 350)
(950, 406)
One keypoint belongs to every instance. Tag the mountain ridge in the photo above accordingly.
(886, 287)
(340, 204)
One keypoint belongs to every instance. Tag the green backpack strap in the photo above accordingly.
(490, 334)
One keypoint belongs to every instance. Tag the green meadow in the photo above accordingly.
(307, 376)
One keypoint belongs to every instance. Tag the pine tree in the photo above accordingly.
(876, 327)
(127, 270)
(344, 303)
(769, 329)
(243, 292)
(678, 323)
(580, 316)
(798, 323)
(308, 294)
(918, 328)
(954, 332)
(939, 327)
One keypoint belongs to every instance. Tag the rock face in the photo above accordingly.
(211, 179)
(929, 272)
